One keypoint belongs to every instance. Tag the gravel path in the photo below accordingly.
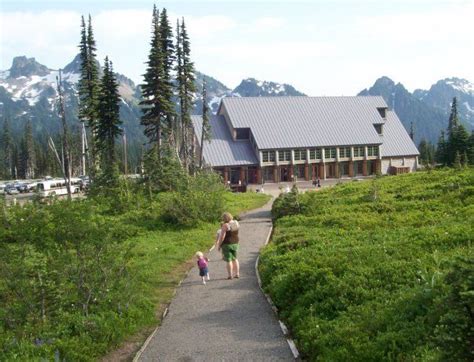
(225, 320)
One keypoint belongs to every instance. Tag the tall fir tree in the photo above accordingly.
(427, 152)
(29, 155)
(458, 137)
(179, 127)
(167, 48)
(441, 155)
(453, 117)
(186, 91)
(412, 131)
(470, 151)
(89, 89)
(156, 104)
(206, 126)
(108, 122)
(7, 154)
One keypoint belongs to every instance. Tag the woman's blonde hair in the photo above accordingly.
(199, 254)
(226, 217)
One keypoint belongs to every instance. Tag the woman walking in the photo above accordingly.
(229, 243)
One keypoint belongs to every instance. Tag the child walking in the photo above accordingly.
(202, 263)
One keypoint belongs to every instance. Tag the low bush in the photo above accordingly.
(378, 270)
(77, 278)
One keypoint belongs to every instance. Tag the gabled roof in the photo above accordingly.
(300, 122)
(396, 141)
(222, 150)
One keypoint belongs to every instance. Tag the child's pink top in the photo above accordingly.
(202, 263)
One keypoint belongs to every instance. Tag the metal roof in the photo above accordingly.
(300, 122)
(222, 150)
(396, 141)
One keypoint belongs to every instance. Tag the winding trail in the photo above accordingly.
(225, 320)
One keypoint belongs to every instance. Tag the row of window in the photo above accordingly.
(315, 153)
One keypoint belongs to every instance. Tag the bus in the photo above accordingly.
(57, 187)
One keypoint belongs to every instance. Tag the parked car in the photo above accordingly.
(11, 190)
(22, 188)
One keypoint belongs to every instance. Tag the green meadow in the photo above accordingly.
(377, 270)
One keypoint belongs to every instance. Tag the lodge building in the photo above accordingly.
(280, 139)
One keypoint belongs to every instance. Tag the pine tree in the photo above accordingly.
(206, 126)
(108, 121)
(441, 151)
(7, 148)
(167, 48)
(29, 152)
(180, 91)
(457, 160)
(453, 121)
(186, 91)
(465, 159)
(412, 131)
(156, 104)
(89, 89)
(471, 148)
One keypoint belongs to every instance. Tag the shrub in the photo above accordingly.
(378, 270)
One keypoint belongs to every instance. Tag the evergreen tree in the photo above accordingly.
(157, 106)
(441, 151)
(453, 121)
(206, 126)
(427, 152)
(471, 148)
(108, 121)
(167, 48)
(180, 91)
(7, 154)
(412, 131)
(186, 91)
(29, 155)
(457, 160)
(89, 88)
(465, 159)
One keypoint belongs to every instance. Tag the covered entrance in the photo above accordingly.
(285, 173)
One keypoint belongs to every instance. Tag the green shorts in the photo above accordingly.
(230, 251)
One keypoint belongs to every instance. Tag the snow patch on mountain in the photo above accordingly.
(461, 85)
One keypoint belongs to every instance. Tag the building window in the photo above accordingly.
(373, 151)
(300, 155)
(284, 155)
(315, 154)
(242, 133)
(330, 152)
(378, 128)
(344, 152)
(382, 112)
(268, 156)
(359, 151)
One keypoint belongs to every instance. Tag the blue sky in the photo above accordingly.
(320, 47)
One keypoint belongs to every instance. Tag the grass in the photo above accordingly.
(360, 271)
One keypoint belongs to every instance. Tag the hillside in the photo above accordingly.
(377, 270)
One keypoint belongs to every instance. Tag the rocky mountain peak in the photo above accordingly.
(26, 67)
(252, 87)
(74, 66)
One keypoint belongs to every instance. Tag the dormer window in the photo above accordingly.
(382, 112)
(379, 128)
(242, 133)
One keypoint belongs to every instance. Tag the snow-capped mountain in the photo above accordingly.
(28, 91)
(441, 94)
(427, 109)
(251, 87)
